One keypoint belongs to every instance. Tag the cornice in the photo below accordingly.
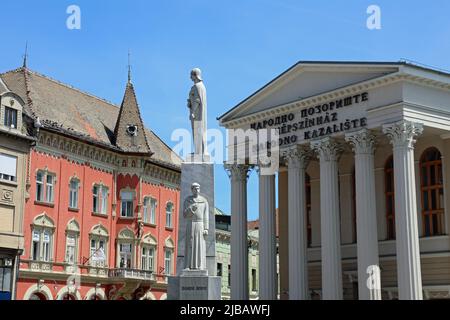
(334, 94)
(103, 160)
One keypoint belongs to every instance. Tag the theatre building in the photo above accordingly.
(363, 183)
(100, 200)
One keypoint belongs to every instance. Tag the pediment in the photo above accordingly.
(305, 80)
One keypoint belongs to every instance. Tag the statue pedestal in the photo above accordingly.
(196, 284)
(192, 286)
(202, 173)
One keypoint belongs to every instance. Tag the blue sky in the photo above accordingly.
(239, 44)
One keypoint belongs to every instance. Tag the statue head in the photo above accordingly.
(195, 189)
(196, 75)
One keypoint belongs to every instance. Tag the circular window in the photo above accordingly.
(132, 130)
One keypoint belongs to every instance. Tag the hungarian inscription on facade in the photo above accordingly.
(314, 122)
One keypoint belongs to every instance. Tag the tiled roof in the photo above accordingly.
(130, 116)
(82, 115)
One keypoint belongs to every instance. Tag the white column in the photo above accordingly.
(369, 282)
(328, 152)
(267, 238)
(409, 276)
(239, 250)
(297, 160)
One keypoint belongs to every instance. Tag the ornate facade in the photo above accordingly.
(102, 197)
(362, 183)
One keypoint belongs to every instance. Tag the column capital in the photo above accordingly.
(327, 149)
(238, 172)
(403, 133)
(297, 156)
(362, 142)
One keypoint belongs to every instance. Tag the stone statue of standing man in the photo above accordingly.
(196, 213)
(197, 106)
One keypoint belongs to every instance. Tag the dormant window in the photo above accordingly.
(126, 204)
(10, 119)
(8, 168)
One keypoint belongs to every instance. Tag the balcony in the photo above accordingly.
(132, 274)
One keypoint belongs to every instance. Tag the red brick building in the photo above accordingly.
(102, 198)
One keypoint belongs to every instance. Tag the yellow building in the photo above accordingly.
(15, 141)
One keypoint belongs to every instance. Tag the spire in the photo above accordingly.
(25, 57)
(130, 132)
(129, 66)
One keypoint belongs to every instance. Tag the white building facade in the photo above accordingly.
(363, 181)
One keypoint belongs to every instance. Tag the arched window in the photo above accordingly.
(308, 208)
(169, 214)
(432, 193)
(390, 197)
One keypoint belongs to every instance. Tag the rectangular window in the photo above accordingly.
(127, 204)
(10, 118)
(146, 210)
(229, 275)
(73, 194)
(95, 199)
(168, 262)
(5, 275)
(219, 270)
(169, 210)
(104, 194)
(71, 249)
(93, 248)
(151, 259)
(97, 253)
(35, 253)
(49, 188)
(125, 250)
(254, 288)
(46, 246)
(40, 187)
(144, 260)
(147, 258)
(153, 211)
(8, 168)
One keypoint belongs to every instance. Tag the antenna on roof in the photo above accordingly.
(25, 57)
(129, 66)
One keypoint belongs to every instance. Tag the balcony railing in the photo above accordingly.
(132, 274)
